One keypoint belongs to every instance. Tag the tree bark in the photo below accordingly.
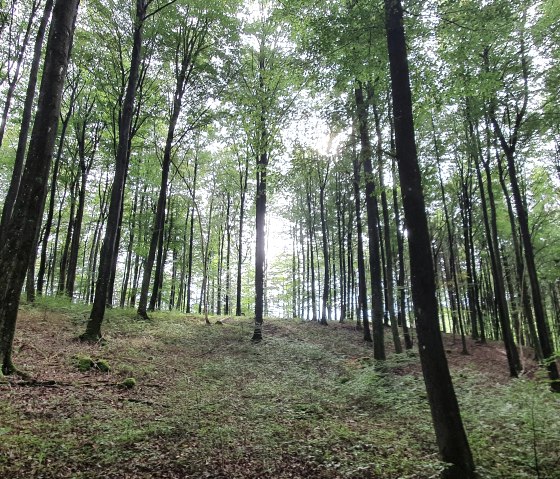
(326, 281)
(52, 195)
(372, 209)
(109, 247)
(362, 309)
(17, 248)
(450, 434)
(14, 71)
(86, 154)
(25, 121)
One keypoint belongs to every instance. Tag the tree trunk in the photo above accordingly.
(227, 298)
(390, 302)
(191, 237)
(128, 260)
(311, 251)
(260, 219)
(17, 248)
(362, 309)
(525, 296)
(243, 178)
(109, 248)
(66, 247)
(341, 233)
(52, 195)
(452, 440)
(25, 121)
(451, 273)
(326, 281)
(155, 298)
(14, 70)
(86, 154)
(491, 227)
(372, 226)
(540, 318)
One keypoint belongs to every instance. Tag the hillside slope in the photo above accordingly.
(307, 402)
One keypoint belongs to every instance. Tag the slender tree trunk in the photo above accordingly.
(137, 262)
(183, 272)
(350, 262)
(390, 302)
(93, 255)
(466, 213)
(115, 256)
(54, 181)
(243, 179)
(540, 318)
(455, 295)
(372, 226)
(311, 250)
(227, 298)
(85, 161)
(129, 252)
(160, 264)
(491, 227)
(221, 240)
(509, 148)
(401, 279)
(14, 71)
(189, 44)
(326, 282)
(191, 237)
(450, 434)
(525, 296)
(362, 309)
(66, 247)
(260, 219)
(109, 248)
(340, 221)
(25, 121)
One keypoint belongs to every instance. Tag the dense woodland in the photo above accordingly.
(261, 159)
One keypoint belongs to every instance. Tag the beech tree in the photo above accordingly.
(189, 42)
(450, 434)
(22, 228)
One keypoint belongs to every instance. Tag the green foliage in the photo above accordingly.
(83, 363)
(519, 414)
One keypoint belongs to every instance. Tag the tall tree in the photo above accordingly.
(450, 434)
(17, 248)
(25, 120)
(188, 42)
(108, 250)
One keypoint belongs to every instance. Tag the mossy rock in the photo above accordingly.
(83, 363)
(128, 383)
(102, 365)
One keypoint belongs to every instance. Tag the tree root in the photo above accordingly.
(87, 338)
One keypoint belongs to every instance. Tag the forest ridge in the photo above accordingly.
(144, 147)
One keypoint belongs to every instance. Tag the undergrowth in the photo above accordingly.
(306, 402)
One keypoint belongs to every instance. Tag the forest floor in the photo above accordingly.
(306, 402)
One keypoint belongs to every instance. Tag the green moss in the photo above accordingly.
(129, 383)
(83, 363)
(102, 365)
